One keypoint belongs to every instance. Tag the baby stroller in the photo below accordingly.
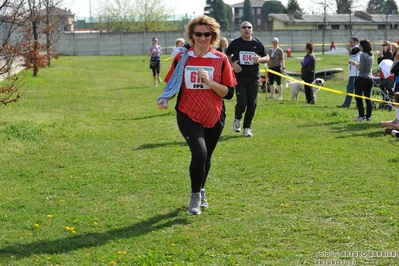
(383, 80)
(264, 83)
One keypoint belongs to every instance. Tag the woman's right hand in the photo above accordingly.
(163, 103)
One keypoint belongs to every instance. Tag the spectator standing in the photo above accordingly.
(354, 55)
(277, 64)
(395, 72)
(332, 46)
(308, 71)
(394, 49)
(179, 43)
(385, 52)
(155, 52)
(245, 53)
(364, 82)
(223, 44)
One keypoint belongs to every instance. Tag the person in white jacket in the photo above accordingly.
(179, 43)
(354, 55)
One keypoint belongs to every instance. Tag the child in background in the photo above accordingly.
(178, 46)
(392, 126)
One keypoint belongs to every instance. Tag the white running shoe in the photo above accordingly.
(195, 202)
(204, 203)
(248, 132)
(159, 80)
(236, 125)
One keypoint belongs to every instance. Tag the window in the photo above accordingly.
(335, 27)
(258, 11)
(381, 27)
(258, 22)
(393, 26)
(320, 27)
(348, 27)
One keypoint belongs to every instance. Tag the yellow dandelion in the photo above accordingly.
(112, 263)
(124, 252)
(30, 234)
(172, 245)
(95, 223)
(61, 201)
(285, 205)
(49, 216)
(119, 252)
(73, 232)
(36, 225)
(174, 171)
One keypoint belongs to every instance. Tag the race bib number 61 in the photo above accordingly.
(193, 81)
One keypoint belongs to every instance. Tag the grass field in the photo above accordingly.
(92, 173)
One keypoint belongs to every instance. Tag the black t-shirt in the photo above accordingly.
(243, 51)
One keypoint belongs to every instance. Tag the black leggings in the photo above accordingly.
(363, 87)
(202, 142)
(156, 69)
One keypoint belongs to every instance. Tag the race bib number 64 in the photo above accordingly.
(247, 58)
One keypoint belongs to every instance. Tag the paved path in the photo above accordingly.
(15, 69)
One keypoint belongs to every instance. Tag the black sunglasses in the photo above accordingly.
(246, 27)
(199, 34)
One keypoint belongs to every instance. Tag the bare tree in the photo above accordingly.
(11, 12)
(152, 14)
(32, 47)
(117, 15)
(51, 20)
(138, 15)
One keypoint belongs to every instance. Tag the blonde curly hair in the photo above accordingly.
(212, 25)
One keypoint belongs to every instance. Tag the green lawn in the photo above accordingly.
(93, 173)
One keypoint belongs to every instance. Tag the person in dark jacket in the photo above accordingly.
(308, 71)
(385, 52)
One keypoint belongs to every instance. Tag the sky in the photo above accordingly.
(82, 7)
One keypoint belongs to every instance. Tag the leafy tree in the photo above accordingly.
(248, 12)
(382, 7)
(230, 16)
(272, 7)
(344, 6)
(219, 11)
(391, 7)
(292, 6)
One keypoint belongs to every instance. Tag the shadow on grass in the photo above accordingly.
(68, 244)
(144, 117)
(356, 127)
(159, 145)
(180, 143)
(137, 87)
